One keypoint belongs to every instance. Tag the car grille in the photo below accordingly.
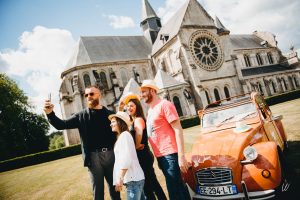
(212, 176)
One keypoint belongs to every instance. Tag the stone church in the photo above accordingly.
(193, 58)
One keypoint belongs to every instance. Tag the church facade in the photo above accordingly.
(193, 59)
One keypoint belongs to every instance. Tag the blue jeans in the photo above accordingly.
(170, 168)
(135, 190)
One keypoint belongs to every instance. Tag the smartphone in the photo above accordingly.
(49, 98)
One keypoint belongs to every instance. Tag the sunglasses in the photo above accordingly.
(89, 94)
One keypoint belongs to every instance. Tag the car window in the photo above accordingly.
(227, 115)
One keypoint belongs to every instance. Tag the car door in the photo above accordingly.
(269, 124)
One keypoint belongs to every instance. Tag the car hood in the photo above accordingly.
(222, 147)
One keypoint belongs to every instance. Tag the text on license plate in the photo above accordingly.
(217, 190)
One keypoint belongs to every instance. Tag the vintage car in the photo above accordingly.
(239, 152)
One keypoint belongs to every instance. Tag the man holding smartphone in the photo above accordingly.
(97, 139)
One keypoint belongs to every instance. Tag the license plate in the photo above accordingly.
(217, 190)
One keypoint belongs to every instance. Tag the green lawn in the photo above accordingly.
(68, 179)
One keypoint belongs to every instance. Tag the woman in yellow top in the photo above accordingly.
(152, 188)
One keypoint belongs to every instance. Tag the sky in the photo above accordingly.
(37, 37)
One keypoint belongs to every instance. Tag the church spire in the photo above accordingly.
(150, 22)
(147, 11)
(222, 30)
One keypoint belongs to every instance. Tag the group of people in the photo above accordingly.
(115, 146)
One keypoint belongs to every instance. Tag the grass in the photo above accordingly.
(67, 179)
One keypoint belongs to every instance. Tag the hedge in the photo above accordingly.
(40, 157)
(190, 122)
(288, 96)
(47, 156)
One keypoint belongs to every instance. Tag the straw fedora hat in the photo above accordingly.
(121, 115)
(129, 96)
(241, 127)
(149, 84)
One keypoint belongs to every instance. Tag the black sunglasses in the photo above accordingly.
(89, 94)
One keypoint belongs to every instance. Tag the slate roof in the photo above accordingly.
(220, 26)
(190, 13)
(147, 11)
(252, 71)
(246, 42)
(103, 49)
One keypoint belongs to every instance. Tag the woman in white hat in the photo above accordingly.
(152, 188)
(127, 169)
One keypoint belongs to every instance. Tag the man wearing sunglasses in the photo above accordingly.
(97, 139)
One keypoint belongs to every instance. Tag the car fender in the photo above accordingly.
(267, 162)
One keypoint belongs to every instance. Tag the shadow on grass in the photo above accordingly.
(293, 160)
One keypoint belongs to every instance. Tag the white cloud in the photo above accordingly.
(120, 22)
(169, 9)
(39, 61)
(243, 17)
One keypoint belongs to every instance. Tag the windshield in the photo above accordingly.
(231, 114)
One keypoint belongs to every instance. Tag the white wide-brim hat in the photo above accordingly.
(130, 96)
(149, 84)
(121, 115)
(241, 127)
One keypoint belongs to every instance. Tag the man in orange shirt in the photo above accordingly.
(166, 139)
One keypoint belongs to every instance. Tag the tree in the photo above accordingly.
(21, 131)
(56, 140)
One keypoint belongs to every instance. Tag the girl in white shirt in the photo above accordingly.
(127, 169)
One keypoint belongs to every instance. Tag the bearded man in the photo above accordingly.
(97, 139)
(166, 138)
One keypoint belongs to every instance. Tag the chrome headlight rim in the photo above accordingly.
(250, 153)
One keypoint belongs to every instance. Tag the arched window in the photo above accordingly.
(87, 80)
(124, 77)
(270, 58)
(284, 83)
(259, 60)
(291, 83)
(207, 97)
(177, 105)
(217, 96)
(260, 89)
(227, 94)
(72, 80)
(247, 60)
(273, 86)
(103, 80)
(296, 81)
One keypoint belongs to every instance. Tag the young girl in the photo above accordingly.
(127, 169)
(152, 188)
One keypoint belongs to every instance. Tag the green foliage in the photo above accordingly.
(190, 122)
(21, 131)
(40, 157)
(295, 94)
(56, 140)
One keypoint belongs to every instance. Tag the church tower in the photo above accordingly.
(150, 23)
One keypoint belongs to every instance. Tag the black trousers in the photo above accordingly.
(152, 188)
(102, 164)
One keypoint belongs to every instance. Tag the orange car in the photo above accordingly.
(239, 153)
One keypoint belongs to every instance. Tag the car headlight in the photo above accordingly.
(250, 153)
